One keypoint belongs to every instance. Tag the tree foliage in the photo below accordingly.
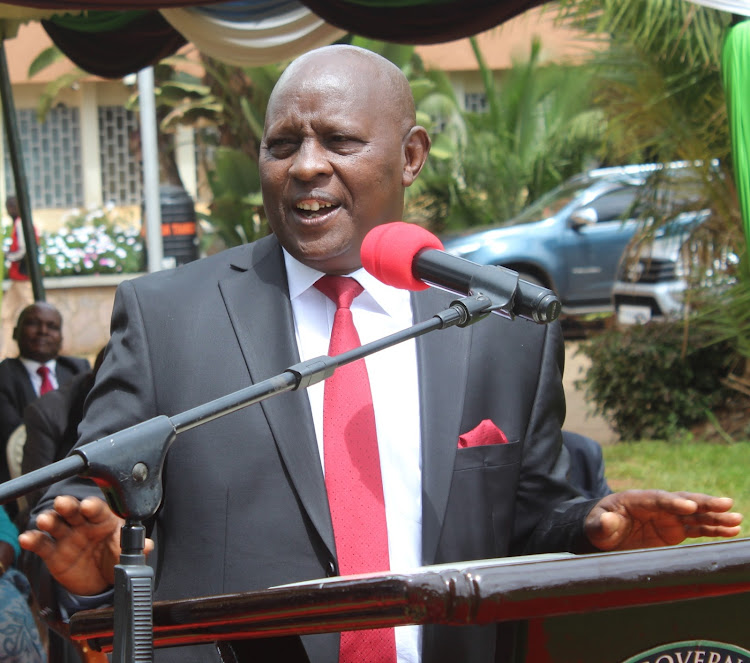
(661, 93)
(540, 128)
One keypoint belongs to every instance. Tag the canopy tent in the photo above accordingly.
(98, 36)
(250, 32)
(402, 21)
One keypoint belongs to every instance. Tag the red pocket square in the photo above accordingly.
(485, 433)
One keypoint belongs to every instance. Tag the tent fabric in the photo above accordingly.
(22, 12)
(248, 9)
(253, 33)
(106, 5)
(395, 4)
(398, 21)
(435, 22)
(738, 7)
(129, 46)
(97, 21)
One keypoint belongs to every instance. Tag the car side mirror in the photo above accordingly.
(586, 216)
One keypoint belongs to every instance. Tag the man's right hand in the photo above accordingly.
(79, 542)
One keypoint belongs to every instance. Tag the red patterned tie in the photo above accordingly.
(43, 372)
(352, 471)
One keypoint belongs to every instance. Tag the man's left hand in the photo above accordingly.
(651, 518)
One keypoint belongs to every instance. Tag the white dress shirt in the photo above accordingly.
(36, 379)
(380, 310)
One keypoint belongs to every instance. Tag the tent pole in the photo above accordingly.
(19, 176)
(150, 155)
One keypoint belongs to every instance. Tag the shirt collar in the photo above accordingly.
(301, 278)
(32, 365)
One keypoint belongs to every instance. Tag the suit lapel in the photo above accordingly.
(24, 380)
(257, 300)
(63, 373)
(442, 365)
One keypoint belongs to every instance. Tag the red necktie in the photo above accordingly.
(352, 471)
(43, 372)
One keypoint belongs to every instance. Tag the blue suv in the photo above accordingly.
(572, 238)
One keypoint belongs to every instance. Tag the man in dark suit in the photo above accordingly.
(468, 420)
(38, 333)
(51, 423)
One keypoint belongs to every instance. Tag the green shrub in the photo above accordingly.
(641, 378)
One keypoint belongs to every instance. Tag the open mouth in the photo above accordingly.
(313, 209)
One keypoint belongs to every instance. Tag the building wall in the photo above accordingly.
(103, 161)
(508, 42)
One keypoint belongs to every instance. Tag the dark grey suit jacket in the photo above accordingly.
(16, 392)
(52, 425)
(245, 504)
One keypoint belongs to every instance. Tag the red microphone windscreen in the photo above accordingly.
(388, 252)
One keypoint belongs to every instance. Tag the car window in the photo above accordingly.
(552, 202)
(614, 205)
(670, 192)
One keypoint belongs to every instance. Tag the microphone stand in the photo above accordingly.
(128, 465)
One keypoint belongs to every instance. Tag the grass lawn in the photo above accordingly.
(717, 469)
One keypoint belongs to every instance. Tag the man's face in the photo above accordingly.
(39, 334)
(331, 167)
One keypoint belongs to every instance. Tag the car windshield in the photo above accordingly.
(552, 202)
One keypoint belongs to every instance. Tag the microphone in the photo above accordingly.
(406, 256)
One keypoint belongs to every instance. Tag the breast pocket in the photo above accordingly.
(488, 455)
(481, 505)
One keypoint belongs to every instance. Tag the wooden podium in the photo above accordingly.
(599, 608)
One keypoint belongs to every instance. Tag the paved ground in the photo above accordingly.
(580, 417)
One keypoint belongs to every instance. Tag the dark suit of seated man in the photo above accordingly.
(586, 465)
(39, 337)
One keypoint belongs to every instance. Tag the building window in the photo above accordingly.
(475, 102)
(52, 158)
(119, 144)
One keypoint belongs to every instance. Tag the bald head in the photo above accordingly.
(372, 74)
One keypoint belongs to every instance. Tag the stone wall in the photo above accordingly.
(85, 303)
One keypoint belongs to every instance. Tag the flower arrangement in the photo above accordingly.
(89, 242)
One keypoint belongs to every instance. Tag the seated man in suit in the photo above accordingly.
(441, 449)
(51, 423)
(586, 465)
(39, 368)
